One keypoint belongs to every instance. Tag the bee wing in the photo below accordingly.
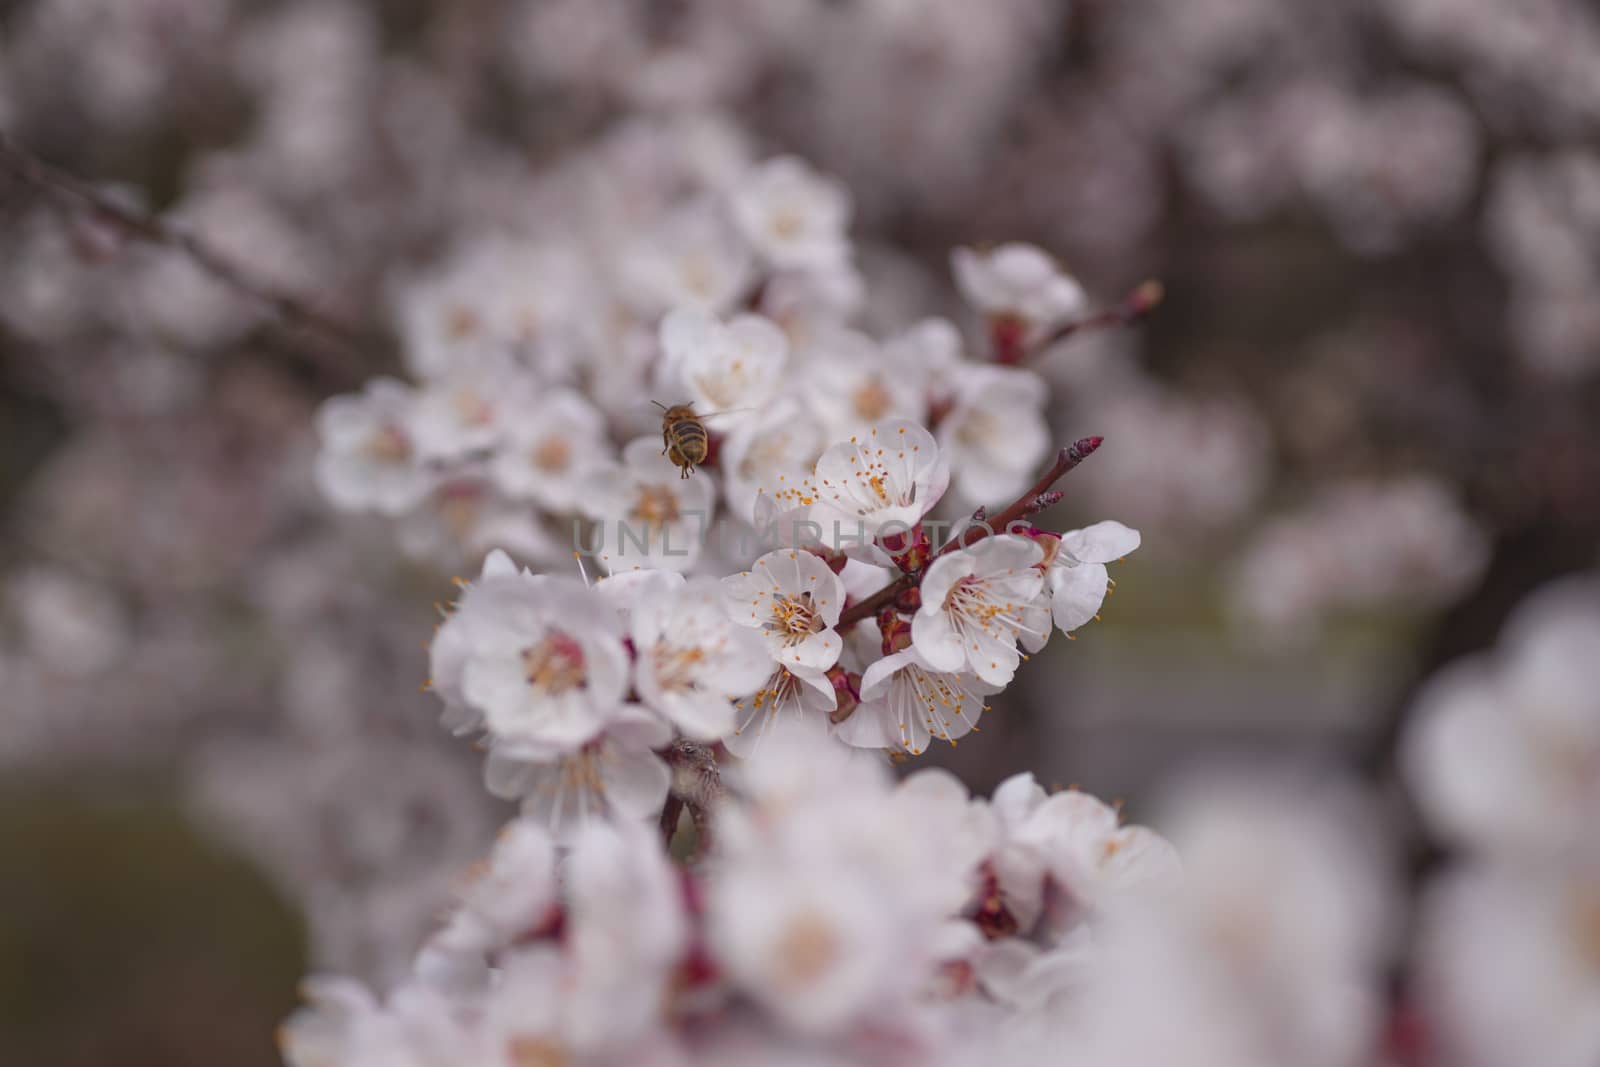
(728, 411)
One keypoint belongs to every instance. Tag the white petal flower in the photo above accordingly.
(808, 941)
(1509, 964)
(344, 1024)
(996, 434)
(693, 661)
(725, 368)
(1021, 282)
(368, 459)
(809, 304)
(905, 703)
(515, 890)
(777, 449)
(624, 589)
(615, 775)
(1504, 751)
(890, 476)
(829, 885)
(1073, 844)
(625, 933)
(793, 598)
(1075, 571)
(794, 217)
(692, 259)
(552, 451)
(1088, 854)
(851, 384)
(538, 660)
(1269, 953)
(524, 1016)
(798, 699)
(470, 409)
(975, 603)
(649, 515)
(494, 298)
(931, 349)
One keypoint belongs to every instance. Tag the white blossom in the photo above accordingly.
(799, 700)
(725, 368)
(1509, 963)
(793, 216)
(779, 448)
(537, 661)
(552, 451)
(493, 298)
(649, 516)
(693, 661)
(1018, 282)
(996, 434)
(793, 598)
(883, 480)
(1075, 572)
(906, 702)
(798, 899)
(1504, 751)
(693, 258)
(469, 409)
(976, 601)
(850, 383)
(615, 774)
(626, 931)
(1270, 949)
(344, 1024)
(369, 459)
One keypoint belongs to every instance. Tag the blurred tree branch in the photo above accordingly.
(338, 347)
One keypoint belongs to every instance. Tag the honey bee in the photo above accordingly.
(683, 436)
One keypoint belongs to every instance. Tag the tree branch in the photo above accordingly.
(336, 339)
(1144, 299)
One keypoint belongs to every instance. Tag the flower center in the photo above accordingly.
(581, 772)
(721, 390)
(472, 409)
(552, 454)
(970, 598)
(806, 950)
(555, 664)
(461, 323)
(535, 1052)
(656, 505)
(675, 664)
(794, 618)
(787, 223)
(698, 276)
(389, 444)
(979, 427)
(872, 401)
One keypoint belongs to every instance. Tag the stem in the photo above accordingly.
(670, 813)
(696, 786)
(1136, 305)
(1035, 499)
(336, 338)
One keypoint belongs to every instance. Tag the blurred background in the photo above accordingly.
(1362, 428)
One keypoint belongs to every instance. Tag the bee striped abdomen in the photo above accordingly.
(684, 438)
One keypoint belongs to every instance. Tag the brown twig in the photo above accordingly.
(1035, 499)
(1144, 299)
(696, 787)
(290, 310)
